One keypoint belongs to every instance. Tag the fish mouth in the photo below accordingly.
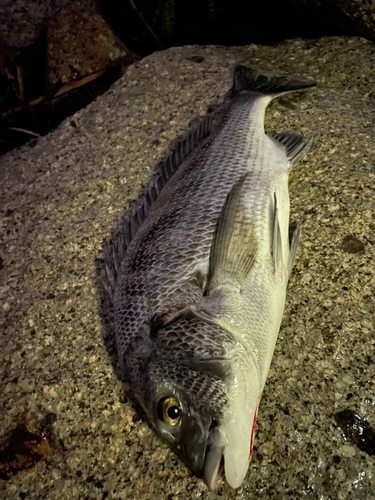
(213, 479)
(214, 464)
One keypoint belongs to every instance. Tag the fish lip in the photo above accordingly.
(214, 459)
(216, 447)
(212, 481)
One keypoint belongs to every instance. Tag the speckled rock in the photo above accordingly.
(79, 43)
(22, 21)
(63, 194)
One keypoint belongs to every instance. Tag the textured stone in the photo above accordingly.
(22, 21)
(79, 43)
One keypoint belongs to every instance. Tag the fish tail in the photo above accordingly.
(248, 79)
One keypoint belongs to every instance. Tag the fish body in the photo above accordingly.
(203, 264)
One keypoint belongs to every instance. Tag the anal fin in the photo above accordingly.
(294, 234)
(280, 261)
(277, 244)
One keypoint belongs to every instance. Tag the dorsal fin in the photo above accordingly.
(140, 208)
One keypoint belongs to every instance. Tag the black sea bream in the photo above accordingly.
(202, 267)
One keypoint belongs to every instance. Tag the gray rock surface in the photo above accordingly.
(62, 195)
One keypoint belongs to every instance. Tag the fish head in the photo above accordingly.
(183, 404)
(202, 397)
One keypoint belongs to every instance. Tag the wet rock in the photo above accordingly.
(28, 443)
(357, 430)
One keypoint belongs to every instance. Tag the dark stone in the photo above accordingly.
(197, 59)
(351, 244)
(24, 448)
(158, 24)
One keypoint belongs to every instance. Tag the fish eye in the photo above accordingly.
(170, 411)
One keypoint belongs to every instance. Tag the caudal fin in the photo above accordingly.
(245, 78)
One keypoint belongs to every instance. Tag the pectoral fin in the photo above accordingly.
(235, 245)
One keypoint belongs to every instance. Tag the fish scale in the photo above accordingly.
(200, 292)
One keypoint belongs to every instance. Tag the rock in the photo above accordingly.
(351, 244)
(79, 44)
(62, 195)
(22, 21)
(234, 23)
(360, 14)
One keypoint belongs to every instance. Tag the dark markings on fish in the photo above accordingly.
(141, 207)
(196, 59)
(357, 430)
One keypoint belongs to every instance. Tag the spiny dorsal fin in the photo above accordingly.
(245, 78)
(234, 247)
(294, 144)
(163, 172)
(141, 207)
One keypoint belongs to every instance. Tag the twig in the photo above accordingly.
(71, 86)
(21, 85)
(140, 15)
(24, 130)
(33, 102)
(63, 90)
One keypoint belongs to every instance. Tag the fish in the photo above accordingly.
(199, 272)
